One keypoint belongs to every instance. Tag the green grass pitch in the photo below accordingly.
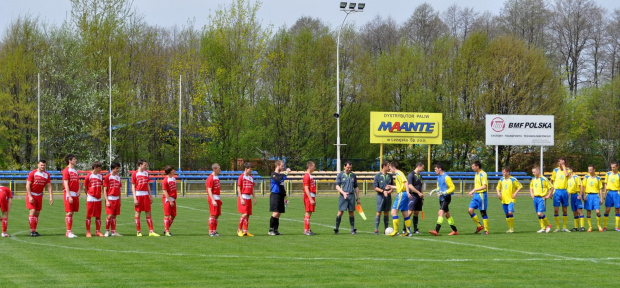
(193, 259)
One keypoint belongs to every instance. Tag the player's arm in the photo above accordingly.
(28, 189)
(239, 188)
(253, 195)
(65, 184)
(105, 194)
(357, 190)
(519, 187)
(148, 188)
(49, 191)
(531, 189)
(499, 189)
(210, 193)
(338, 188)
(450, 185)
(133, 189)
(307, 192)
(164, 189)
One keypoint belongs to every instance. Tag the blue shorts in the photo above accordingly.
(479, 201)
(575, 203)
(560, 197)
(401, 202)
(539, 204)
(509, 207)
(593, 202)
(612, 199)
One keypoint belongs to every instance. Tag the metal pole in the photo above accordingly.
(541, 160)
(338, 164)
(38, 117)
(381, 156)
(429, 158)
(496, 158)
(179, 123)
(110, 109)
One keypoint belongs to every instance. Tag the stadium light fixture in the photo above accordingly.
(351, 9)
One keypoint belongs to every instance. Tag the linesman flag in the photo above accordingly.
(359, 210)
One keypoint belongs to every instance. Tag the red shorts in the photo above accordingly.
(4, 202)
(93, 209)
(309, 206)
(170, 210)
(144, 204)
(115, 207)
(36, 203)
(215, 210)
(244, 209)
(75, 207)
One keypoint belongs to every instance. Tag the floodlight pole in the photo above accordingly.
(38, 117)
(347, 11)
(110, 110)
(179, 123)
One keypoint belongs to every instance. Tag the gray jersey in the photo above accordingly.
(347, 182)
(382, 180)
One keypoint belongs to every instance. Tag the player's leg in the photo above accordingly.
(351, 208)
(307, 216)
(386, 218)
(416, 218)
(98, 219)
(5, 222)
(606, 215)
(565, 215)
(137, 215)
(246, 222)
(408, 222)
(69, 215)
(439, 222)
(473, 205)
(483, 212)
(379, 199)
(452, 224)
(146, 207)
(617, 217)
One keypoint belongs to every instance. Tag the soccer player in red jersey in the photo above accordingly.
(6, 197)
(71, 192)
(142, 197)
(309, 197)
(215, 203)
(169, 185)
(37, 181)
(112, 194)
(92, 185)
(244, 205)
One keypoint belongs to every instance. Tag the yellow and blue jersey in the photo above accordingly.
(507, 188)
(481, 180)
(444, 183)
(559, 178)
(540, 186)
(574, 184)
(400, 181)
(612, 181)
(593, 184)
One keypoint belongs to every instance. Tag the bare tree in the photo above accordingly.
(424, 27)
(572, 25)
(596, 51)
(526, 19)
(613, 47)
(379, 35)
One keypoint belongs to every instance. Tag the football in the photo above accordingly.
(389, 230)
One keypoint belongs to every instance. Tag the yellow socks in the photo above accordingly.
(474, 218)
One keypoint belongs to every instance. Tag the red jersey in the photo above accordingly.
(38, 180)
(7, 192)
(170, 185)
(141, 180)
(309, 181)
(213, 182)
(113, 183)
(246, 184)
(72, 176)
(93, 184)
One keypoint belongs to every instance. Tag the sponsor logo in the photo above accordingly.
(498, 124)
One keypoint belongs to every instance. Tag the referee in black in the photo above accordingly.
(276, 198)
(414, 180)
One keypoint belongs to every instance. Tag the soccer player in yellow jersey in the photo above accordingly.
(576, 204)
(559, 179)
(401, 200)
(507, 189)
(592, 185)
(540, 190)
(612, 198)
(480, 199)
(446, 189)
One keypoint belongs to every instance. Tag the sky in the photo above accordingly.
(168, 13)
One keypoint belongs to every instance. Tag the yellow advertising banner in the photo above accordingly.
(405, 128)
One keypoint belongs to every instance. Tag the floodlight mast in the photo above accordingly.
(347, 11)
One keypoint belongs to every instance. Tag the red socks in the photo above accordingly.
(69, 222)
(306, 223)
(149, 221)
(5, 223)
(87, 225)
(138, 224)
(33, 220)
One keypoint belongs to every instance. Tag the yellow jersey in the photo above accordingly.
(401, 182)
(481, 180)
(559, 178)
(574, 184)
(507, 188)
(540, 186)
(593, 184)
(612, 181)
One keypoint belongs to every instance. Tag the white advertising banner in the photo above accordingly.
(520, 130)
